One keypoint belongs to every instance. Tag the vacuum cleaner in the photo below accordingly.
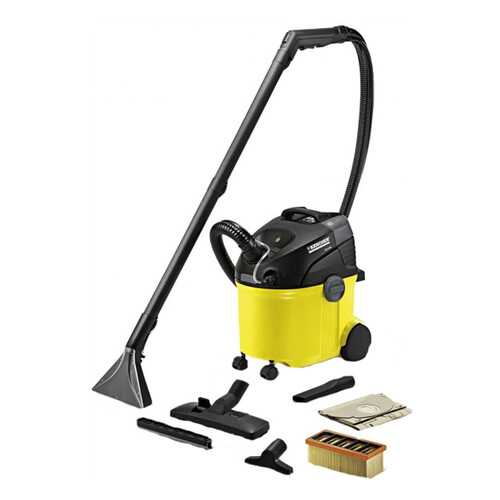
(296, 274)
(295, 279)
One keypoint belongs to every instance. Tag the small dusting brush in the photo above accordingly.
(346, 454)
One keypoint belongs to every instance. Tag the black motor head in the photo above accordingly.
(304, 247)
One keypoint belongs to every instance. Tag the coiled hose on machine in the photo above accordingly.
(251, 251)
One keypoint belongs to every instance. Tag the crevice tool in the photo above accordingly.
(175, 433)
(270, 458)
(330, 387)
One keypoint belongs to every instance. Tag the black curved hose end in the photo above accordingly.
(250, 249)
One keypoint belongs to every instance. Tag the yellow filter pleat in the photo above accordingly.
(344, 463)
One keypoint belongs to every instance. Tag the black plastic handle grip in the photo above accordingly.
(330, 387)
(320, 37)
(289, 213)
(175, 433)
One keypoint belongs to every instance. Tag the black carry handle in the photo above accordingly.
(291, 213)
(293, 41)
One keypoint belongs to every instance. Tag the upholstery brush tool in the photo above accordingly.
(175, 433)
(269, 458)
(346, 454)
(220, 415)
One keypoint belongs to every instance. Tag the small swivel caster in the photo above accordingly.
(240, 362)
(269, 372)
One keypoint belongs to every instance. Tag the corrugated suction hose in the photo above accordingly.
(251, 251)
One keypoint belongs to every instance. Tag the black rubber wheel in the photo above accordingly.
(269, 372)
(240, 363)
(358, 343)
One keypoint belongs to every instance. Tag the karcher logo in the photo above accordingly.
(319, 245)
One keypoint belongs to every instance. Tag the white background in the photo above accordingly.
(114, 117)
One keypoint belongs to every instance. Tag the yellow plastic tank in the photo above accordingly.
(297, 327)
